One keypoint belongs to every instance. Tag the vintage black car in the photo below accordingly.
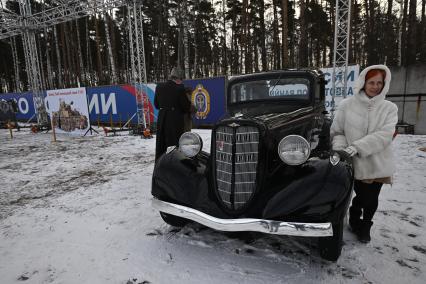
(270, 168)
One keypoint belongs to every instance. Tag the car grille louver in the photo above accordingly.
(237, 152)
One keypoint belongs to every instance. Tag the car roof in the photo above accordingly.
(293, 71)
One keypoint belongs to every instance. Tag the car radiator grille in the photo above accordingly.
(237, 153)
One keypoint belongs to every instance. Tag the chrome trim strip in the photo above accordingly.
(223, 181)
(245, 224)
(224, 152)
(244, 143)
(223, 162)
(250, 132)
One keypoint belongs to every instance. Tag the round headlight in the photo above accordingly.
(190, 144)
(294, 150)
(335, 158)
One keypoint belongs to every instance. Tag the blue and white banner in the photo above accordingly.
(118, 103)
(208, 97)
(25, 105)
(352, 75)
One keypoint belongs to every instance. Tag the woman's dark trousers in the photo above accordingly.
(364, 203)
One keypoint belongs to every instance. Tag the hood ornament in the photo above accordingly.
(238, 115)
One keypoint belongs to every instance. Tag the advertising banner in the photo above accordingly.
(68, 110)
(353, 72)
(25, 105)
(208, 97)
(7, 112)
(118, 103)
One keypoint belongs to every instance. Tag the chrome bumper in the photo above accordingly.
(245, 224)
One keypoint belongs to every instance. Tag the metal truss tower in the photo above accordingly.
(32, 62)
(137, 61)
(341, 50)
(27, 24)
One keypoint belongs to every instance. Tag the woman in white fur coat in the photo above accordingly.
(363, 129)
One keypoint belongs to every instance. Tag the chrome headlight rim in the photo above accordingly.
(302, 140)
(335, 159)
(196, 147)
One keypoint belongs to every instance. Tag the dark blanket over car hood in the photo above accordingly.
(273, 120)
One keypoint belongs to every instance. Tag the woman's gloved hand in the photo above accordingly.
(348, 152)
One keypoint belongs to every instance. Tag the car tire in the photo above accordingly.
(331, 247)
(174, 221)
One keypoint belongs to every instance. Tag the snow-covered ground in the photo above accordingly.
(78, 211)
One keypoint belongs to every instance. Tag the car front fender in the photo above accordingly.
(321, 192)
(184, 181)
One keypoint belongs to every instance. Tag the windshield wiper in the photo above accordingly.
(273, 87)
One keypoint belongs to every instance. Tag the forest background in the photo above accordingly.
(214, 38)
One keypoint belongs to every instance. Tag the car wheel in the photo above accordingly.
(174, 221)
(331, 247)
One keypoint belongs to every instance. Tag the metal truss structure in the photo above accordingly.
(137, 60)
(27, 24)
(341, 47)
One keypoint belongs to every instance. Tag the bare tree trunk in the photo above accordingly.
(256, 56)
(388, 33)
(224, 49)
(69, 58)
(180, 48)
(262, 35)
(276, 45)
(98, 53)
(74, 55)
(284, 32)
(411, 33)
(423, 34)
(234, 47)
(88, 70)
(197, 72)
(166, 57)
(400, 22)
(64, 56)
(113, 76)
(185, 39)
(48, 64)
(249, 48)
(80, 67)
(244, 27)
(332, 18)
(303, 44)
(115, 56)
(351, 55)
(58, 58)
(404, 34)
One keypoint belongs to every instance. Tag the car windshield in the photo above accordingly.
(285, 88)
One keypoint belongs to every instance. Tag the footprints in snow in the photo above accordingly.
(244, 243)
(416, 220)
(135, 281)
(419, 249)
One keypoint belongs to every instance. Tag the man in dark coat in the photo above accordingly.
(173, 104)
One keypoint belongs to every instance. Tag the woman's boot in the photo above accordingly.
(354, 219)
(364, 232)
